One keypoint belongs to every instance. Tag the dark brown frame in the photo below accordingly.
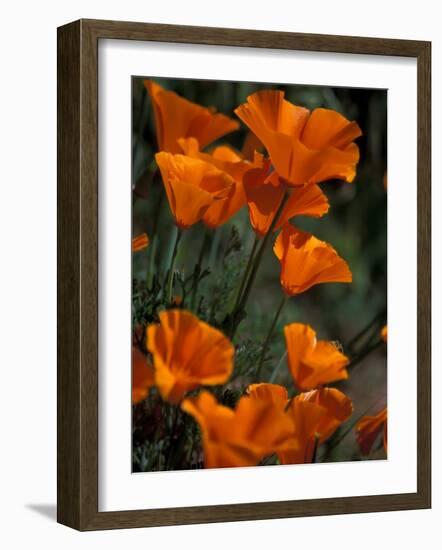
(78, 268)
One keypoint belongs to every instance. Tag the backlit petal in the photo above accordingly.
(326, 127)
(187, 353)
(312, 363)
(176, 117)
(224, 158)
(316, 415)
(240, 437)
(306, 417)
(304, 148)
(307, 261)
(263, 199)
(269, 393)
(337, 406)
(192, 186)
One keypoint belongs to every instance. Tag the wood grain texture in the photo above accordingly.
(424, 274)
(253, 38)
(77, 385)
(68, 276)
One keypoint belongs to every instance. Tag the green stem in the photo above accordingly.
(363, 354)
(216, 241)
(268, 461)
(275, 372)
(366, 329)
(172, 266)
(151, 266)
(198, 269)
(315, 449)
(158, 208)
(244, 279)
(257, 261)
(269, 336)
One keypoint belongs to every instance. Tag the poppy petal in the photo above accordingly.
(192, 186)
(304, 201)
(240, 437)
(269, 393)
(229, 161)
(312, 363)
(304, 148)
(142, 376)
(263, 199)
(187, 353)
(140, 242)
(176, 117)
(326, 127)
(307, 261)
(337, 406)
(316, 415)
(369, 428)
(306, 417)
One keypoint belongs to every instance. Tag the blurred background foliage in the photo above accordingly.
(356, 226)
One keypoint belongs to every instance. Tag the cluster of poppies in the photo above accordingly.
(185, 355)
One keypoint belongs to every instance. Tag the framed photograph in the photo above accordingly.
(243, 275)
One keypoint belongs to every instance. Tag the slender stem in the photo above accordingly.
(257, 261)
(172, 441)
(363, 354)
(267, 461)
(275, 372)
(350, 426)
(244, 279)
(315, 449)
(260, 252)
(158, 207)
(198, 269)
(172, 265)
(269, 336)
(248, 267)
(216, 240)
(367, 327)
(151, 266)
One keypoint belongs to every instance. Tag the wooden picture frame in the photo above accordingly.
(78, 274)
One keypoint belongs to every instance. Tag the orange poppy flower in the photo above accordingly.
(368, 429)
(304, 147)
(239, 437)
(192, 186)
(140, 242)
(187, 353)
(265, 191)
(142, 376)
(315, 415)
(176, 117)
(339, 408)
(306, 261)
(226, 159)
(384, 333)
(269, 393)
(312, 363)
